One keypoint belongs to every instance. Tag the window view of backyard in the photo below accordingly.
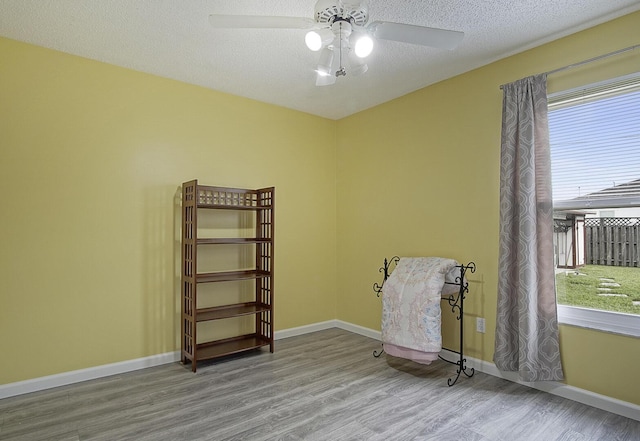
(595, 154)
(609, 288)
(597, 261)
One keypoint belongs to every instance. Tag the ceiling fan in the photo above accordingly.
(339, 30)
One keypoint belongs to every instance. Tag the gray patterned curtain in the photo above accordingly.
(527, 325)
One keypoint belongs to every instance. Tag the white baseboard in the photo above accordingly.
(307, 329)
(356, 329)
(583, 396)
(65, 378)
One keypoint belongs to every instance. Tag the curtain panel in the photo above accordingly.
(527, 326)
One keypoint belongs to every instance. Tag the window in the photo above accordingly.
(595, 154)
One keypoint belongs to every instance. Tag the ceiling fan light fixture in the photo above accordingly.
(342, 33)
(325, 64)
(317, 39)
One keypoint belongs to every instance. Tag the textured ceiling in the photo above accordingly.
(173, 39)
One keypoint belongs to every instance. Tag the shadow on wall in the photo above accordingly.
(161, 265)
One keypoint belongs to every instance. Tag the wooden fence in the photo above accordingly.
(612, 241)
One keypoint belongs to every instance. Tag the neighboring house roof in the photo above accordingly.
(618, 196)
(631, 188)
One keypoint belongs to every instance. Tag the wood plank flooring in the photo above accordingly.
(320, 386)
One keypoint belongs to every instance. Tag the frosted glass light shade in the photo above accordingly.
(363, 46)
(326, 61)
(325, 80)
(316, 40)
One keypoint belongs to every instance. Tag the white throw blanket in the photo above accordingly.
(411, 303)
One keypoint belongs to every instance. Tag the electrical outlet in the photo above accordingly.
(480, 324)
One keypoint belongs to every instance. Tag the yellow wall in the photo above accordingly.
(91, 159)
(419, 176)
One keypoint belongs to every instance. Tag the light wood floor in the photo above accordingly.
(320, 386)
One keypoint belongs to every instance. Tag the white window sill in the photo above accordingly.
(616, 322)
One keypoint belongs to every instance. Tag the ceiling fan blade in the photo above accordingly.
(439, 38)
(260, 22)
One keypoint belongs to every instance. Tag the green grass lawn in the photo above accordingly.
(580, 288)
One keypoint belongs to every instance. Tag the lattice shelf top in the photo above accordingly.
(233, 198)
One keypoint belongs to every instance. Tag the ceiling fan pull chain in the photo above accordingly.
(341, 72)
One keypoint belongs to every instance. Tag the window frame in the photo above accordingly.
(597, 319)
(600, 320)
